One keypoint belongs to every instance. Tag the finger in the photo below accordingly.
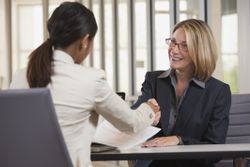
(153, 142)
(153, 101)
(149, 142)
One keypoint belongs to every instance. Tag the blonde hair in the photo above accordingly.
(201, 47)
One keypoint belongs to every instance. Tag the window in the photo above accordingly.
(27, 30)
(109, 43)
(130, 37)
(96, 56)
(229, 43)
(123, 49)
(189, 9)
(162, 31)
(141, 54)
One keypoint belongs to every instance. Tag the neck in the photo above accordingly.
(72, 50)
(184, 75)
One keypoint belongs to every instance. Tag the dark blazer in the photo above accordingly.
(203, 115)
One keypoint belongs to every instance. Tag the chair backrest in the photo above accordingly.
(30, 133)
(239, 125)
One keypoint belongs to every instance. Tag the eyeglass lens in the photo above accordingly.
(172, 43)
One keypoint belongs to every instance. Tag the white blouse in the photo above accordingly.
(80, 94)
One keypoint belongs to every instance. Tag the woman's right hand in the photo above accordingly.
(156, 108)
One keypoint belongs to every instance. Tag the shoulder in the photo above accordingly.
(155, 74)
(215, 83)
(97, 75)
(93, 72)
(92, 78)
(81, 73)
(216, 86)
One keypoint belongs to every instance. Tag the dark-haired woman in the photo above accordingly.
(79, 93)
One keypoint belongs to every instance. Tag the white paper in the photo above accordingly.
(107, 134)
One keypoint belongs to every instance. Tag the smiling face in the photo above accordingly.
(179, 59)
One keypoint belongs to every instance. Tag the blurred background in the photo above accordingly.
(130, 38)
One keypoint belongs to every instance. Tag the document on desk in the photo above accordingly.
(107, 134)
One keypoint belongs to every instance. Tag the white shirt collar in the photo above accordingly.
(62, 56)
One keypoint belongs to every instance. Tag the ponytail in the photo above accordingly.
(39, 69)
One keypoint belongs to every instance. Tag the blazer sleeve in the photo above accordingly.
(216, 130)
(146, 91)
(217, 126)
(219, 120)
(117, 111)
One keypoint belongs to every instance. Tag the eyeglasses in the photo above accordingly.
(172, 43)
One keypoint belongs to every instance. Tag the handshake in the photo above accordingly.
(156, 108)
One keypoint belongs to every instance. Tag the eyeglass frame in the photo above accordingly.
(172, 43)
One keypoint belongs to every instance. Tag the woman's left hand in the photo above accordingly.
(162, 142)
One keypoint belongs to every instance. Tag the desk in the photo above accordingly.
(221, 151)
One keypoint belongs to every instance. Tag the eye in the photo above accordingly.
(183, 45)
(173, 40)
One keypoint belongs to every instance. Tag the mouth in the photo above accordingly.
(176, 58)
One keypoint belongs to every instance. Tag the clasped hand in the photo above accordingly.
(156, 108)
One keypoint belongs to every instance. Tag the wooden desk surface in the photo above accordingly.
(222, 151)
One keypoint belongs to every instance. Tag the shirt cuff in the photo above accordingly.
(180, 140)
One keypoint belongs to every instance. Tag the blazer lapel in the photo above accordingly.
(163, 97)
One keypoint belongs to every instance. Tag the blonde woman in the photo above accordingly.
(194, 105)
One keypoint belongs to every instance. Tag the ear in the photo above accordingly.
(84, 41)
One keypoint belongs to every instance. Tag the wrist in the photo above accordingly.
(157, 118)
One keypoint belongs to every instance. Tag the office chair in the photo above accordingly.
(30, 133)
(239, 126)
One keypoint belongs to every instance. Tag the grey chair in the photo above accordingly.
(30, 134)
(239, 128)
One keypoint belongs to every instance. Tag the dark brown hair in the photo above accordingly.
(68, 23)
